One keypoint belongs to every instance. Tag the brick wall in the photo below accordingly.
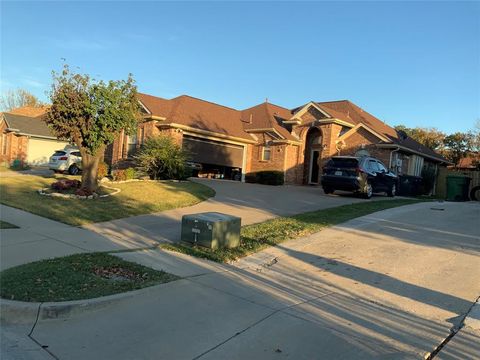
(15, 147)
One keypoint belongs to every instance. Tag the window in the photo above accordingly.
(381, 167)
(373, 166)
(415, 165)
(266, 153)
(131, 145)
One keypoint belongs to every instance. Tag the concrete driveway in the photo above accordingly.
(390, 285)
(252, 202)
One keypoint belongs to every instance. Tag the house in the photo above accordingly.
(471, 161)
(26, 137)
(295, 141)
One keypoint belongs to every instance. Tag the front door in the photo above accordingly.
(314, 168)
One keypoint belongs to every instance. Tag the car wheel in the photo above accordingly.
(392, 191)
(328, 190)
(368, 190)
(73, 170)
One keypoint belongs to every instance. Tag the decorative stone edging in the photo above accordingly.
(80, 197)
(140, 180)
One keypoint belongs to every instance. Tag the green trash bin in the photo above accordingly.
(457, 187)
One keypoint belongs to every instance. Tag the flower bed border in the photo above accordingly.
(80, 197)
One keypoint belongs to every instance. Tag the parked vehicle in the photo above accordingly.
(68, 159)
(365, 175)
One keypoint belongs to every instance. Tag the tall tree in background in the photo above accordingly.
(430, 137)
(91, 114)
(457, 146)
(13, 99)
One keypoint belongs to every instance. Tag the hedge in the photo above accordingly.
(266, 177)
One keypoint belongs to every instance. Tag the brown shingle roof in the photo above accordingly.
(267, 116)
(197, 113)
(357, 115)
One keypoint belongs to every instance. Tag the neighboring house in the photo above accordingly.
(26, 137)
(471, 161)
(270, 137)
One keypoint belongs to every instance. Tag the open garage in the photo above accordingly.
(219, 159)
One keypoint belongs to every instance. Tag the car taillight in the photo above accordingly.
(358, 171)
(63, 158)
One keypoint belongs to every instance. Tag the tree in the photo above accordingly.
(13, 99)
(161, 158)
(457, 145)
(430, 137)
(91, 114)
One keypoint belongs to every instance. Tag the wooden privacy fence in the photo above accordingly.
(441, 186)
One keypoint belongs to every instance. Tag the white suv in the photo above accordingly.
(68, 159)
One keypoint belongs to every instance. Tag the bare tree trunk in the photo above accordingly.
(90, 169)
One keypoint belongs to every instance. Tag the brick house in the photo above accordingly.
(26, 137)
(296, 141)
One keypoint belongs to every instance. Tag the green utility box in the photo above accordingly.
(457, 187)
(212, 230)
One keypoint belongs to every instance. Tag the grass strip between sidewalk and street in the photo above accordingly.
(256, 237)
(75, 277)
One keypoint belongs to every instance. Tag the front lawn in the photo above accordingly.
(135, 198)
(256, 237)
(75, 277)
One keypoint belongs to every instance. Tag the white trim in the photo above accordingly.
(367, 128)
(305, 108)
(206, 133)
(404, 148)
(310, 168)
(144, 107)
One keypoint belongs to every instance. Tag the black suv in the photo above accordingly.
(364, 175)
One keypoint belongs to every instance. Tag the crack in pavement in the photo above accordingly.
(30, 334)
(256, 323)
(453, 331)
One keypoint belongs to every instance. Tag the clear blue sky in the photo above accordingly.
(412, 63)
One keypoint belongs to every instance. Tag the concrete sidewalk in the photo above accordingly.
(388, 285)
(40, 238)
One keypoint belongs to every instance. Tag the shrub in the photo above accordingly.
(266, 177)
(123, 174)
(102, 170)
(162, 158)
(19, 165)
(119, 175)
(130, 173)
(65, 184)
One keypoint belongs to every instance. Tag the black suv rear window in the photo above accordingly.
(343, 163)
(59, 153)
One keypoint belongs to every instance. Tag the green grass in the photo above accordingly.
(257, 237)
(6, 225)
(81, 276)
(136, 198)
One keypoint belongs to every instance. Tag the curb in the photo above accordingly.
(20, 312)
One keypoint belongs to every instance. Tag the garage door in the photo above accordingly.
(39, 150)
(213, 152)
